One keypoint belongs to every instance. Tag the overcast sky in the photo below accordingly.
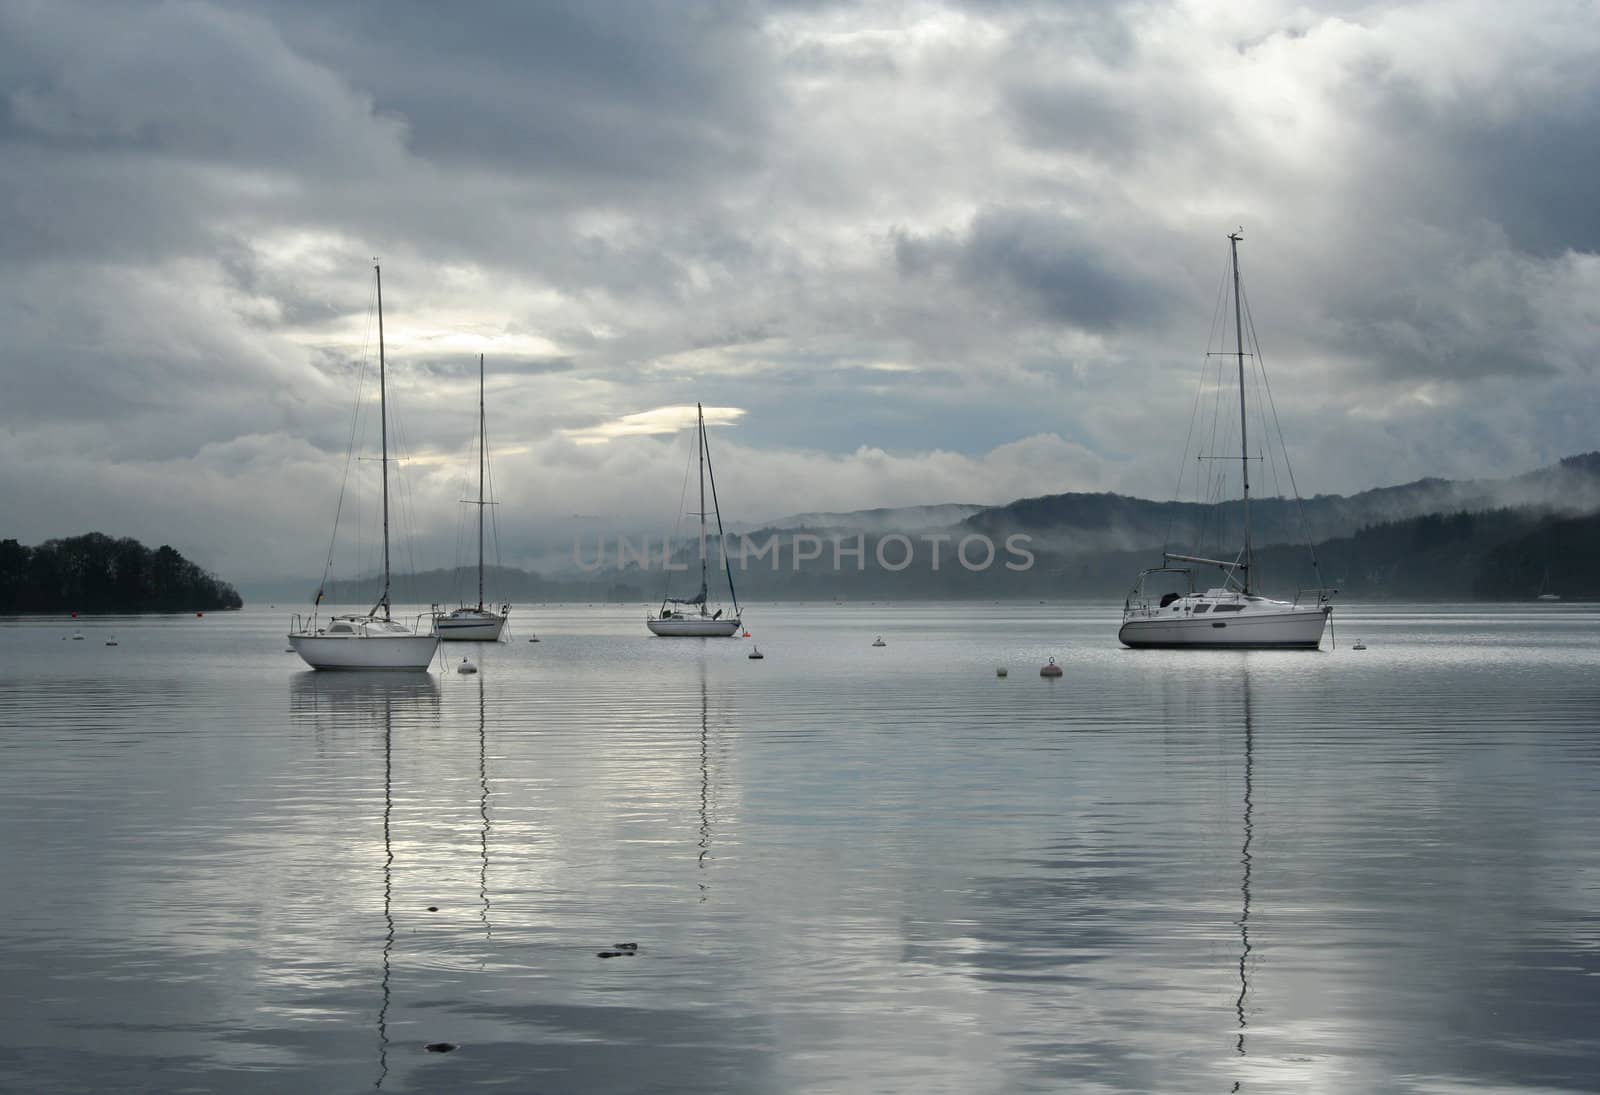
(908, 253)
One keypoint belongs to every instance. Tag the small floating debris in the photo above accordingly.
(433, 908)
(625, 946)
(1359, 645)
(440, 1047)
(999, 670)
(77, 634)
(609, 954)
(466, 666)
(755, 654)
(1050, 669)
(288, 650)
(879, 641)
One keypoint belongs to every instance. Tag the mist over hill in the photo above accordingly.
(1431, 539)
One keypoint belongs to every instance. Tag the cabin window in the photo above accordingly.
(1230, 608)
(1201, 608)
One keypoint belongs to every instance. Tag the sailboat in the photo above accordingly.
(475, 623)
(690, 617)
(374, 640)
(1234, 614)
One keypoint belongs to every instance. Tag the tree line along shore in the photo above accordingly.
(97, 573)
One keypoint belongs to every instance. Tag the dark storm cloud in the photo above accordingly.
(614, 93)
(1041, 262)
(1529, 169)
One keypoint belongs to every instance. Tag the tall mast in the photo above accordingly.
(383, 415)
(1244, 442)
(483, 442)
(700, 418)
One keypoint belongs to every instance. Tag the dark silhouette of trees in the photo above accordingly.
(95, 573)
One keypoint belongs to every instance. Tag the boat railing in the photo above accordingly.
(1139, 603)
(1324, 594)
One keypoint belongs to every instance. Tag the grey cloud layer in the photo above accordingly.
(934, 251)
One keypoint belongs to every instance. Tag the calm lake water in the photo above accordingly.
(847, 868)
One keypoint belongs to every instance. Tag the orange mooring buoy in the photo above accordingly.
(1051, 669)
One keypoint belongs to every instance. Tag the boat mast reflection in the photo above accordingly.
(483, 813)
(388, 889)
(705, 783)
(336, 704)
(1245, 863)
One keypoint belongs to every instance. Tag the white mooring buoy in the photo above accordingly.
(1359, 645)
(466, 666)
(879, 641)
(755, 654)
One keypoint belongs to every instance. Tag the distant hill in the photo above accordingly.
(1101, 522)
(1557, 555)
(1432, 539)
(95, 573)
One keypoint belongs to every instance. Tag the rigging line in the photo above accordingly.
(678, 524)
(494, 517)
(349, 455)
(1194, 416)
(1218, 312)
(1217, 476)
(407, 502)
(1268, 456)
(1183, 461)
(489, 496)
(1217, 484)
(1258, 375)
(461, 523)
(1300, 508)
(722, 540)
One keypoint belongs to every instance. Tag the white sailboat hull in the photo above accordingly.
(476, 627)
(703, 627)
(365, 651)
(1293, 629)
